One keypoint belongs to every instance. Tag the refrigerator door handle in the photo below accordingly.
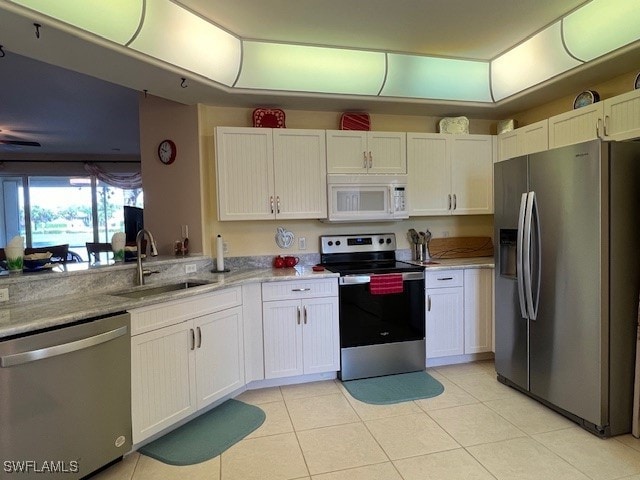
(535, 294)
(519, 255)
(531, 307)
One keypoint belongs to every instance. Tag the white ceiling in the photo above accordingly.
(68, 112)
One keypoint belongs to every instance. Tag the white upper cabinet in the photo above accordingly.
(622, 116)
(523, 141)
(579, 125)
(450, 174)
(265, 173)
(358, 152)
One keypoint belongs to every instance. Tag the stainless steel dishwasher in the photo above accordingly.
(65, 399)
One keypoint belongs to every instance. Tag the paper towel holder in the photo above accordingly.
(219, 255)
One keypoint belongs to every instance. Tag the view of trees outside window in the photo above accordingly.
(65, 209)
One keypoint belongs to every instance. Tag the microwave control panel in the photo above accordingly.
(399, 199)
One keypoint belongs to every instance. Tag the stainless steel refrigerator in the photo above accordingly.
(567, 279)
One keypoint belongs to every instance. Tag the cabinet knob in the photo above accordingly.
(298, 315)
(370, 160)
(199, 337)
(193, 338)
(455, 201)
(305, 314)
(364, 156)
(278, 204)
(271, 203)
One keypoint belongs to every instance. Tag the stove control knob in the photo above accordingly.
(388, 241)
(337, 242)
(381, 241)
(330, 243)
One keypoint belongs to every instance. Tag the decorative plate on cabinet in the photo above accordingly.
(355, 121)
(268, 118)
(588, 97)
(454, 125)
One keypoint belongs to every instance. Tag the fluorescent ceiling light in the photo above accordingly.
(437, 78)
(600, 27)
(538, 59)
(115, 20)
(277, 66)
(179, 37)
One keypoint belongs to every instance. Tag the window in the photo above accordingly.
(52, 210)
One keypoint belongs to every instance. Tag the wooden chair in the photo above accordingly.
(94, 248)
(59, 253)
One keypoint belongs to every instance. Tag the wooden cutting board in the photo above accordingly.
(461, 247)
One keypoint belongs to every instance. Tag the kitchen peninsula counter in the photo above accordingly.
(24, 316)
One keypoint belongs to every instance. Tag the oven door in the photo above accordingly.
(368, 319)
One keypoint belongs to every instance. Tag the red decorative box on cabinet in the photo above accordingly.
(268, 118)
(355, 121)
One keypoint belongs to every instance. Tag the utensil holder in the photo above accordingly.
(417, 252)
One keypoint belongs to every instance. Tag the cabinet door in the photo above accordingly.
(219, 355)
(244, 173)
(429, 174)
(472, 174)
(347, 151)
(300, 173)
(387, 152)
(508, 145)
(282, 323)
(321, 335)
(478, 310)
(444, 329)
(576, 126)
(162, 379)
(534, 138)
(622, 116)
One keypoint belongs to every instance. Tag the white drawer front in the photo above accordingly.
(444, 278)
(163, 314)
(326, 287)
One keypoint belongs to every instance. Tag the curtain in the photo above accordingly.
(120, 180)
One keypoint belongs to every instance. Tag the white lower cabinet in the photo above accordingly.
(179, 368)
(459, 312)
(300, 326)
(478, 310)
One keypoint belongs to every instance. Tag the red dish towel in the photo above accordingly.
(385, 284)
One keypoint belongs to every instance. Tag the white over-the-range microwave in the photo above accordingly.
(353, 198)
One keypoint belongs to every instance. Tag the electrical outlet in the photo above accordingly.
(445, 234)
(191, 268)
(225, 248)
(4, 294)
(302, 243)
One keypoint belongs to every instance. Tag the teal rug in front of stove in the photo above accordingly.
(398, 388)
(206, 436)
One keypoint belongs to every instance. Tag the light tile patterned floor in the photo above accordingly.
(478, 429)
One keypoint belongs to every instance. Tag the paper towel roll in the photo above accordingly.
(219, 254)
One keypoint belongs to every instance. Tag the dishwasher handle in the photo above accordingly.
(48, 352)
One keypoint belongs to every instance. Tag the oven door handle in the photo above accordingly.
(359, 279)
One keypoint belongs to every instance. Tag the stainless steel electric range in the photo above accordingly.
(382, 307)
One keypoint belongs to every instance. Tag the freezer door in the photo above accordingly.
(511, 349)
(566, 344)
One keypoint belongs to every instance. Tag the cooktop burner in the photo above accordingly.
(373, 267)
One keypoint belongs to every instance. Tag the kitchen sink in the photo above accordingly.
(160, 289)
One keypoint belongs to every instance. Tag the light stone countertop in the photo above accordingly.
(24, 317)
(449, 263)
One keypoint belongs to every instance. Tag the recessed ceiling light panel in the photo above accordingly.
(301, 68)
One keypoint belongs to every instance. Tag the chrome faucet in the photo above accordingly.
(154, 253)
